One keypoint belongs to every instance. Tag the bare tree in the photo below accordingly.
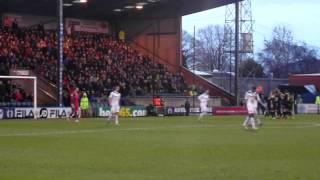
(187, 49)
(210, 47)
(251, 68)
(282, 56)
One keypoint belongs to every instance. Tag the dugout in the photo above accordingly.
(154, 30)
(305, 79)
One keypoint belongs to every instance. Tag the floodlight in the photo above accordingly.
(67, 4)
(117, 10)
(139, 7)
(129, 7)
(153, 1)
(80, 1)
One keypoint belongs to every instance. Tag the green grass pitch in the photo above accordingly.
(160, 148)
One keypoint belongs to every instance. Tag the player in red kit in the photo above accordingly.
(76, 104)
(70, 90)
(74, 101)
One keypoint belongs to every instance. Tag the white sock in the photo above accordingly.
(109, 117)
(258, 121)
(253, 123)
(201, 115)
(116, 119)
(246, 121)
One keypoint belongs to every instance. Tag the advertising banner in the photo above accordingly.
(20, 72)
(195, 111)
(26, 20)
(6, 113)
(229, 111)
(175, 111)
(8, 19)
(181, 111)
(54, 112)
(87, 26)
(169, 111)
(307, 108)
(41, 112)
(129, 111)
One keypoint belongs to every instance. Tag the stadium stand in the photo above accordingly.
(93, 62)
(13, 95)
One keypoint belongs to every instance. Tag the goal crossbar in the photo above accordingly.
(34, 89)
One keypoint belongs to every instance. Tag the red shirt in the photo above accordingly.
(71, 90)
(75, 99)
(18, 96)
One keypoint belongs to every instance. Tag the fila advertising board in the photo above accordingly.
(41, 112)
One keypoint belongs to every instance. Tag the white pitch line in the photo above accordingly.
(100, 130)
(115, 129)
(317, 124)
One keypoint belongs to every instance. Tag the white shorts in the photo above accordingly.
(115, 109)
(252, 110)
(203, 108)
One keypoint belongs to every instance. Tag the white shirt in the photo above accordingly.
(252, 99)
(204, 98)
(114, 98)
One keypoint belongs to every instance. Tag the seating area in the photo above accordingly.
(93, 62)
(13, 95)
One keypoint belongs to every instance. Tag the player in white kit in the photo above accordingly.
(114, 102)
(252, 99)
(203, 98)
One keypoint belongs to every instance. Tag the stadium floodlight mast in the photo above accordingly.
(237, 55)
(34, 89)
(238, 41)
(60, 50)
(60, 40)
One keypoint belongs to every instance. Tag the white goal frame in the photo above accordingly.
(34, 89)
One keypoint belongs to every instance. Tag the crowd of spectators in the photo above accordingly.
(96, 62)
(13, 94)
(92, 62)
(31, 48)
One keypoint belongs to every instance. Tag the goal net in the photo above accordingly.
(19, 91)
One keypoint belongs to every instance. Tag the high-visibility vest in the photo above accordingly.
(318, 100)
(84, 103)
(122, 35)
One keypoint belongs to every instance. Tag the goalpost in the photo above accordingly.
(34, 89)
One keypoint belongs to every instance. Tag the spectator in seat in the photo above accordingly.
(18, 97)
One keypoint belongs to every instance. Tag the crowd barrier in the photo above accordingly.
(16, 104)
(308, 108)
(41, 112)
(128, 111)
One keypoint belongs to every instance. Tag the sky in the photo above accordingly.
(302, 17)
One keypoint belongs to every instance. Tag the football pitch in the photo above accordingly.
(160, 148)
